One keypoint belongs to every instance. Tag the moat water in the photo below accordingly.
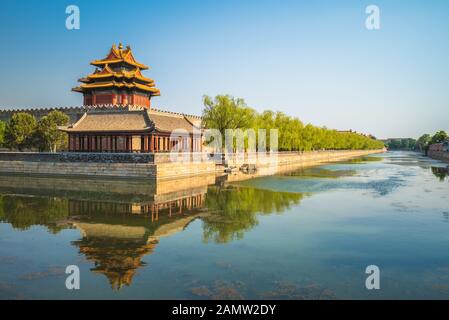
(306, 234)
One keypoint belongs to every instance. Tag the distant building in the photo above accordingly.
(446, 146)
(442, 146)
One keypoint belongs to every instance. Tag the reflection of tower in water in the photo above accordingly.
(116, 236)
(117, 258)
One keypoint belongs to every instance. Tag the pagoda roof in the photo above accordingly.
(119, 55)
(108, 72)
(114, 84)
(108, 76)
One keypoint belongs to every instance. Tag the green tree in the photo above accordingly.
(48, 136)
(422, 144)
(265, 121)
(20, 131)
(401, 144)
(2, 133)
(439, 137)
(226, 112)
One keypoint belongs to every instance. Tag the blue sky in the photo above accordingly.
(314, 60)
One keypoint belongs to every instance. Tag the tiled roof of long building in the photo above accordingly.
(138, 119)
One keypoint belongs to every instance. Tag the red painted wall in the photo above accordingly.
(133, 99)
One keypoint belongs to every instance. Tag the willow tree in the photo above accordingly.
(226, 112)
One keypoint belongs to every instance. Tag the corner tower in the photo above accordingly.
(117, 80)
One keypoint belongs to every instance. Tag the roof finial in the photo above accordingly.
(120, 46)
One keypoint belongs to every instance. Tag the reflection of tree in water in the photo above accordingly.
(440, 172)
(362, 159)
(235, 209)
(320, 173)
(24, 212)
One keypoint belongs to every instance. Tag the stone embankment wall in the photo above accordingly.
(100, 169)
(121, 165)
(78, 157)
(290, 161)
(154, 166)
(439, 155)
(297, 158)
(135, 191)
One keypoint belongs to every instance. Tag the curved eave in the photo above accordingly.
(154, 91)
(158, 130)
(115, 61)
(74, 130)
(78, 89)
(118, 76)
(85, 87)
(85, 80)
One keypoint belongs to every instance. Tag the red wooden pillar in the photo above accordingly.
(86, 143)
(70, 142)
(145, 143)
(93, 147)
(152, 143)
